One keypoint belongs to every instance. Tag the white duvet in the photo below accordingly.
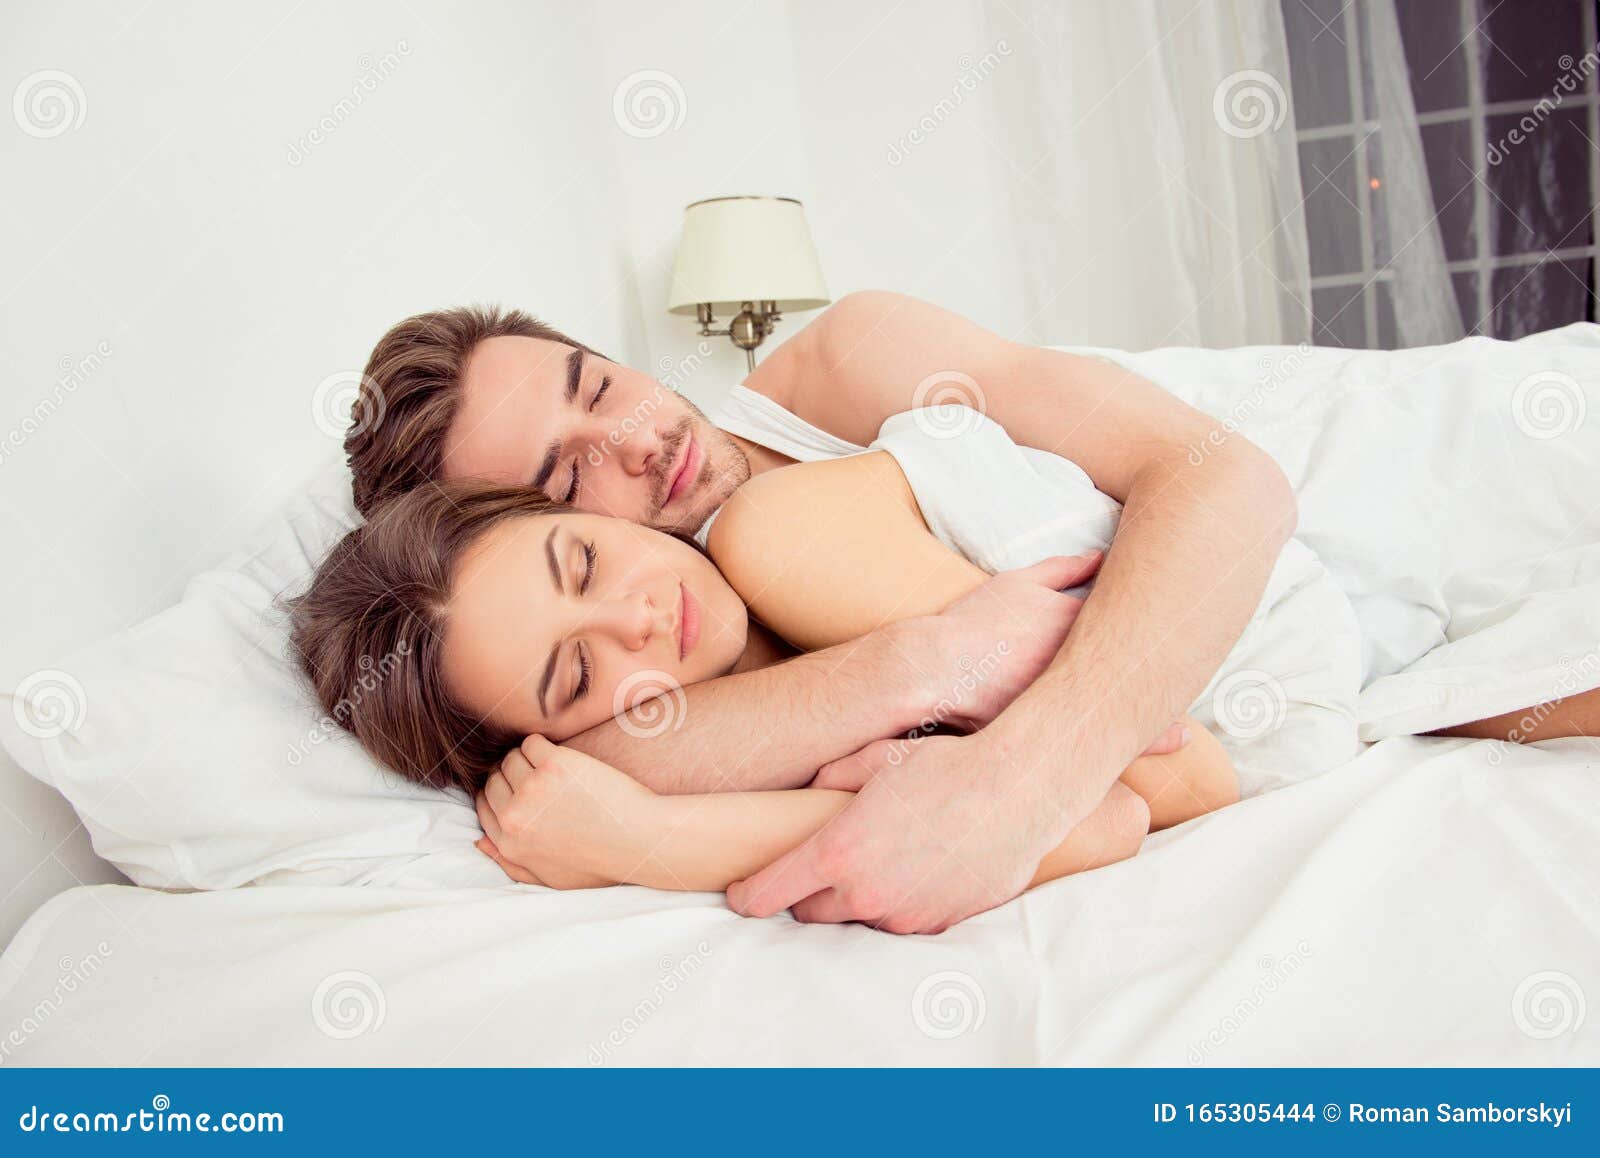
(1427, 901)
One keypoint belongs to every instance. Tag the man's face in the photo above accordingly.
(591, 433)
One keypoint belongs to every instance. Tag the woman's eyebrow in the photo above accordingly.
(555, 579)
(550, 557)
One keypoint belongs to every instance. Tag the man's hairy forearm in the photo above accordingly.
(1186, 571)
(774, 727)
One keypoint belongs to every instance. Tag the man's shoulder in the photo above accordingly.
(835, 373)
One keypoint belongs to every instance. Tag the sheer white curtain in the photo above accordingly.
(1116, 172)
(1405, 224)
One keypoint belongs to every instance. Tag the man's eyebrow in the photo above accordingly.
(555, 578)
(574, 372)
(552, 454)
(548, 466)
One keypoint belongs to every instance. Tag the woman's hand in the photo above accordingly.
(554, 816)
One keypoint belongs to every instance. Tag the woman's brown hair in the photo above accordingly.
(369, 630)
(411, 390)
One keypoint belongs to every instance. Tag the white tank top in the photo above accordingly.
(1000, 505)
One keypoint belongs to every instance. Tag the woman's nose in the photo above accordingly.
(633, 619)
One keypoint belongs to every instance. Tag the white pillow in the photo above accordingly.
(197, 756)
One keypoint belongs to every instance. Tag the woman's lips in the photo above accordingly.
(688, 623)
(687, 471)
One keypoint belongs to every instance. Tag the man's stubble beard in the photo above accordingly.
(725, 470)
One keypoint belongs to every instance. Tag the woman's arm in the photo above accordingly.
(604, 828)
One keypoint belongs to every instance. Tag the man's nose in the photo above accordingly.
(638, 449)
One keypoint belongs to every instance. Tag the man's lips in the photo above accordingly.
(688, 469)
(688, 622)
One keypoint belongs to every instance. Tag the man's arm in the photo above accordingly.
(1189, 563)
(774, 727)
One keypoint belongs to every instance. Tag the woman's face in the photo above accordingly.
(558, 622)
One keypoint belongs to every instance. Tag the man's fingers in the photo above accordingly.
(791, 878)
(829, 907)
(1174, 737)
(1062, 571)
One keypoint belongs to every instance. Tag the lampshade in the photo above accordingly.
(746, 249)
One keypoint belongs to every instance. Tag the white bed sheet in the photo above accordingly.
(1435, 901)
(1432, 901)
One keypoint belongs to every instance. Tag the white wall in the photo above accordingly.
(257, 190)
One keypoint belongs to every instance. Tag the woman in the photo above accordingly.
(521, 618)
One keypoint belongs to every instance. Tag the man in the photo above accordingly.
(955, 825)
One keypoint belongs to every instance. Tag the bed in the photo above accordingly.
(1432, 901)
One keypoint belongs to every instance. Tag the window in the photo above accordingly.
(1505, 93)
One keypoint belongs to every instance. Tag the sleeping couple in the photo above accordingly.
(817, 653)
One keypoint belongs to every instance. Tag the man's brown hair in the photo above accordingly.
(369, 632)
(411, 390)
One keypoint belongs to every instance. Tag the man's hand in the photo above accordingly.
(991, 645)
(936, 836)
